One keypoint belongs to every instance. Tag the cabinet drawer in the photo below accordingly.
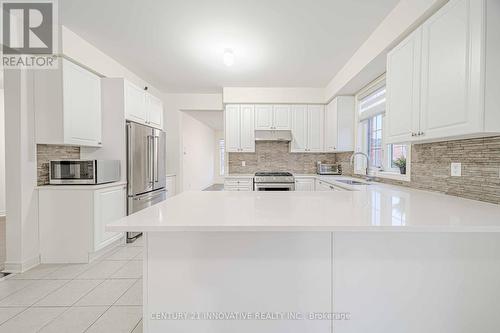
(239, 182)
(237, 188)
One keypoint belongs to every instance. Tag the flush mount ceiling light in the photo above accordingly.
(228, 57)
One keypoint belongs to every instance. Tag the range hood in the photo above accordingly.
(273, 135)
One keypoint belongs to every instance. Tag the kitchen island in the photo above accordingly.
(381, 259)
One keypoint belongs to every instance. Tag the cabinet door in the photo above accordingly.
(315, 128)
(331, 132)
(281, 117)
(322, 186)
(247, 128)
(403, 89)
(345, 123)
(155, 111)
(109, 205)
(135, 103)
(232, 130)
(82, 105)
(299, 128)
(263, 117)
(306, 184)
(446, 72)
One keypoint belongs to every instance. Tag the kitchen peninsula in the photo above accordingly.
(378, 258)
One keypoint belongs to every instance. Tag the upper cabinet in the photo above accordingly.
(307, 128)
(403, 89)
(240, 128)
(442, 81)
(339, 125)
(142, 107)
(67, 105)
(272, 117)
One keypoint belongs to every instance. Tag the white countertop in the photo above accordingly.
(80, 187)
(375, 207)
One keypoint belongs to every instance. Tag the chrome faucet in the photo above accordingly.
(367, 162)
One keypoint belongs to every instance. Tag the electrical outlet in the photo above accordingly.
(243, 163)
(456, 169)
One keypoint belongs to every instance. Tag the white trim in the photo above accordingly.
(20, 267)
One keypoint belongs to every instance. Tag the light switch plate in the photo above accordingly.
(243, 163)
(456, 169)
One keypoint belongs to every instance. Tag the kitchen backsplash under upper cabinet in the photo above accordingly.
(67, 105)
(443, 81)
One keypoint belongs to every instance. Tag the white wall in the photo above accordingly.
(198, 154)
(273, 95)
(2, 154)
(218, 179)
(174, 104)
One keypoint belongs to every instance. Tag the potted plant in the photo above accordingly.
(401, 164)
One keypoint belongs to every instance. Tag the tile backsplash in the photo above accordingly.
(431, 164)
(45, 153)
(276, 156)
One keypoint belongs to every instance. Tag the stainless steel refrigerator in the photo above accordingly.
(145, 169)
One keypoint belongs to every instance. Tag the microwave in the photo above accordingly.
(328, 169)
(81, 172)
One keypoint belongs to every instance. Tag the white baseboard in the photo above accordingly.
(19, 267)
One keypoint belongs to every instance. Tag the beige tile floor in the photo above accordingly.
(104, 296)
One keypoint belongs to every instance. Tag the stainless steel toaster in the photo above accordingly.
(328, 169)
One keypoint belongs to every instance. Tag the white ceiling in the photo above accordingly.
(177, 45)
(213, 119)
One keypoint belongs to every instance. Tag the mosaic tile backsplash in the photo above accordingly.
(430, 165)
(276, 156)
(45, 153)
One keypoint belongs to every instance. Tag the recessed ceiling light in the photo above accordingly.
(228, 57)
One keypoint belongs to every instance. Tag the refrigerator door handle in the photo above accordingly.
(155, 149)
(149, 159)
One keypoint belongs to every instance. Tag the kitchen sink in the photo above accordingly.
(351, 182)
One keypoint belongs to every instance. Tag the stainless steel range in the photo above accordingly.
(274, 181)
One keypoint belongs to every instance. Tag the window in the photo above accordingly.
(222, 154)
(370, 139)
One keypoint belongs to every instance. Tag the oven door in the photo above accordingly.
(274, 186)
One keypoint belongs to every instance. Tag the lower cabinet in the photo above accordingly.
(72, 221)
(323, 186)
(304, 184)
(238, 184)
(171, 186)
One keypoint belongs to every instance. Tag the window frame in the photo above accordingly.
(361, 140)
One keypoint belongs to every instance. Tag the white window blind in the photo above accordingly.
(372, 104)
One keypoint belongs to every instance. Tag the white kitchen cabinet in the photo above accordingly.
(324, 186)
(240, 128)
(315, 128)
(155, 111)
(109, 205)
(403, 89)
(281, 117)
(171, 186)
(307, 128)
(67, 105)
(272, 117)
(263, 117)
(458, 93)
(299, 129)
(72, 221)
(304, 184)
(142, 107)
(339, 124)
(238, 184)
